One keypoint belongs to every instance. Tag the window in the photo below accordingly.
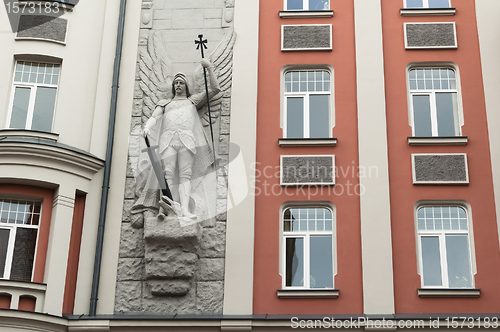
(434, 102)
(427, 3)
(308, 247)
(307, 4)
(19, 220)
(445, 256)
(307, 104)
(33, 96)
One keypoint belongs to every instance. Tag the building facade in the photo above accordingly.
(354, 182)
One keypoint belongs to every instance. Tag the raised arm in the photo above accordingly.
(200, 99)
(152, 120)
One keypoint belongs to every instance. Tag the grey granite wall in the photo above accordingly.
(179, 23)
(440, 168)
(307, 37)
(43, 27)
(430, 35)
(307, 170)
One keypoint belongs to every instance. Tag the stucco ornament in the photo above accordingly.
(173, 119)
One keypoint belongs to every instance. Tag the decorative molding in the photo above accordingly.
(17, 289)
(29, 134)
(430, 35)
(291, 142)
(48, 154)
(456, 140)
(449, 292)
(450, 167)
(64, 201)
(427, 11)
(306, 37)
(308, 293)
(305, 13)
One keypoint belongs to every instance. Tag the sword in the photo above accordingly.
(155, 162)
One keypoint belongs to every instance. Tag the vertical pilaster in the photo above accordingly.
(378, 285)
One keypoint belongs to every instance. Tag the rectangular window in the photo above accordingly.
(33, 96)
(307, 104)
(427, 4)
(307, 4)
(308, 241)
(444, 247)
(19, 220)
(434, 102)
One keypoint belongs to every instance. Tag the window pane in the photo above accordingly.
(319, 126)
(294, 5)
(4, 244)
(422, 116)
(321, 262)
(457, 252)
(446, 105)
(20, 108)
(24, 254)
(294, 262)
(295, 117)
(44, 109)
(439, 4)
(318, 5)
(414, 3)
(431, 261)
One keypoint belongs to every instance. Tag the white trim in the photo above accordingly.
(334, 175)
(414, 176)
(425, 4)
(305, 13)
(436, 140)
(435, 65)
(283, 49)
(472, 252)
(292, 142)
(449, 292)
(427, 11)
(319, 293)
(29, 134)
(306, 204)
(429, 47)
(40, 39)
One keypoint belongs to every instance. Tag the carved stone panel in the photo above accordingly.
(440, 168)
(306, 37)
(430, 35)
(42, 27)
(308, 170)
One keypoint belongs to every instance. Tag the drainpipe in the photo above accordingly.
(107, 165)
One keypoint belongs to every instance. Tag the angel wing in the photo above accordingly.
(222, 59)
(154, 73)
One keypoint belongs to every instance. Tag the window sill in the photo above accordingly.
(308, 293)
(449, 292)
(305, 13)
(452, 140)
(291, 142)
(427, 11)
(29, 134)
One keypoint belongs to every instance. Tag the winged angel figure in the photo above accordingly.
(175, 115)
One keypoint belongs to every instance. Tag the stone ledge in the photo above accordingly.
(305, 13)
(308, 293)
(291, 142)
(29, 134)
(449, 292)
(456, 140)
(427, 11)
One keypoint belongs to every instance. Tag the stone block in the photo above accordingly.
(137, 90)
(143, 37)
(169, 304)
(137, 108)
(187, 18)
(162, 24)
(132, 242)
(212, 23)
(226, 106)
(221, 187)
(221, 206)
(210, 296)
(190, 4)
(306, 37)
(222, 217)
(421, 35)
(127, 205)
(224, 125)
(129, 188)
(308, 170)
(159, 4)
(223, 147)
(133, 145)
(169, 264)
(213, 241)
(42, 27)
(130, 269)
(168, 234)
(128, 296)
(210, 269)
(213, 13)
(162, 14)
(169, 287)
(131, 167)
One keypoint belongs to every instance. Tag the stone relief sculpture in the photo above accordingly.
(173, 118)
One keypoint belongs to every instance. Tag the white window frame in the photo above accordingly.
(432, 94)
(306, 235)
(441, 234)
(305, 4)
(285, 95)
(425, 4)
(12, 239)
(33, 91)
